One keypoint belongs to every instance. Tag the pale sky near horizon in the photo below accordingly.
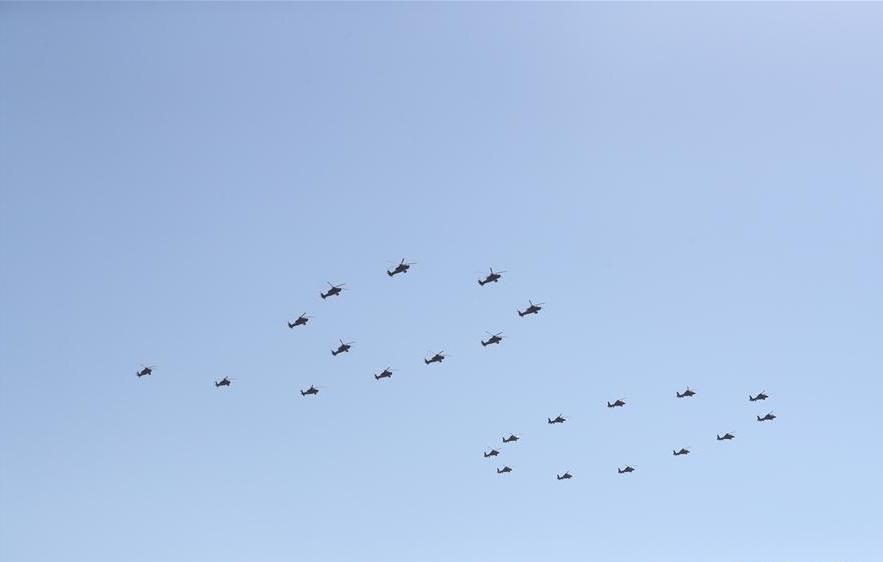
(694, 190)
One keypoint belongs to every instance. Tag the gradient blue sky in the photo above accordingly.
(694, 190)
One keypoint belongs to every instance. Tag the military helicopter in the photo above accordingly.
(625, 470)
(559, 419)
(145, 371)
(565, 476)
(532, 309)
(385, 374)
(402, 267)
(437, 358)
(223, 382)
(761, 396)
(301, 321)
(342, 348)
(494, 338)
(511, 439)
(333, 291)
(768, 417)
(493, 276)
(686, 394)
(504, 470)
(683, 451)
(491, 453)
(312, 391)
(726, 437)
(619, 403)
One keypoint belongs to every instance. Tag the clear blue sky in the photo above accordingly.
(694, 190)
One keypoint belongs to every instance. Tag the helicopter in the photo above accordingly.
(312, 391)
(686, 394)
(683, 451)
(511, 439)
(619, 403)
(532, 309)
(402, 267)
(726, 437)
(145, 371)
(384, 374)
(504, 470)
(333, 291)
(768, 417)
(301, 321)
(223, 382)
(437, 358)
(625, 470)
(342, 348)
(565, 476)
(493, 276)
(491, 453)
(494, 338)
(761, 396)
(559, 419)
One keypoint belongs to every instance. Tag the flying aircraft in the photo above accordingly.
(559, 419)
(686, 394)
(504, 470)
(145, 371)
(402, 267)
(494, 338)
(223, 382)
(301, 321)
(342, 348)
(565, 476)
(768, 417)
(761, 396)
(491, 453)
(625, 470)
(681, 452)
(618, 404)
(511, 439)
(726, 437)
(312, 391)
(334, 290)
(385, 374)
(492, 276)
(437, 358)
(532, 309)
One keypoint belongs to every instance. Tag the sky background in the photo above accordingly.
(696, 192)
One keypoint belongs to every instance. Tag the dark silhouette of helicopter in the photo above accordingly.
(504, 470)
(726, 437)
(761, 396)
(686, 394)
(491, 453)
(618, 404)
(559, 419)
(402, 267)
(312, 391)
(223, 382)
(385, 374)
(511, 439)
(681, 452)
(301, 321)
(625, 470)
(342, 348)
(532, 309)
(768, 417)
(144, 371)
(437, 358)
(333, 291)
(565, 476)
(493, 276)
(494, 338)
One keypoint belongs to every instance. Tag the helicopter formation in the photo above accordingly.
(492, 339)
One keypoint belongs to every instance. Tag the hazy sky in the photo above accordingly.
(696, 192)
